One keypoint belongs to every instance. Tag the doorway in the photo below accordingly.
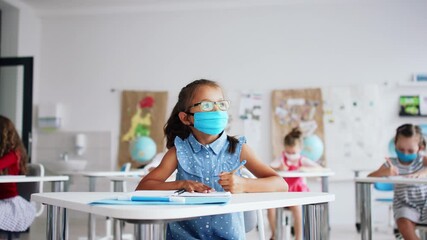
(16, 87)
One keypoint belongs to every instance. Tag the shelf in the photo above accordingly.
(412, 84)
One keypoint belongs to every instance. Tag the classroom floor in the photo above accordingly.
(77, 231)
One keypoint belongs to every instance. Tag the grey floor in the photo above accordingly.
(78, 230)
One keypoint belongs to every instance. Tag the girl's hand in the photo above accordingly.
(193, 186)
(391, 170)
(231, 182)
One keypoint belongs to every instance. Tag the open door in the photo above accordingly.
(16, 95)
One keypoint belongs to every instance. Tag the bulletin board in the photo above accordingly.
(143, 112)
(293, 108)
(353, 123)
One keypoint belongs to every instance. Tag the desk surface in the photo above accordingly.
(239, 202)
(104, 173)
(314, 173)
(397, 179)
(22, 178)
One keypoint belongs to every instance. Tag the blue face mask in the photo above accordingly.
(211, 123)
(407, 158)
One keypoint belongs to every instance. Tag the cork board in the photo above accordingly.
(142, 113)
(296, 107)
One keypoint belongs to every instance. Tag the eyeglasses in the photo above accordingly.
(206, 106)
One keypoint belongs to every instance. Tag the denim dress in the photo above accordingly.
(203, 163)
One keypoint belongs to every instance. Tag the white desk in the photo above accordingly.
(363, 198)
(57, 181)
(92, 176)
(323, 174)
(313, 207)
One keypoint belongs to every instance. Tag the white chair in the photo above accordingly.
(253, 218)
(26, 189)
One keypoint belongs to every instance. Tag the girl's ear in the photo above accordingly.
(184, 118)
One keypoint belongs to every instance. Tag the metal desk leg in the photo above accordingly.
(91, 219)
(313, 216)
(64, 224)
(325, 188)
(365, 210)
(53, 230)
(357, 196)
(117, 229)
(58, 186)
(279, 220)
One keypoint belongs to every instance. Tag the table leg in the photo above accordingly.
(64, 224)
(357, 196)
(279, 220)
(313, 216)
(53, 230)
(365, 210)
(325, 188)
(58, 186)
(91, 218)
(117, 229)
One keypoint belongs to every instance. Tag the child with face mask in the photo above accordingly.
(204, 157)
(292, 160)
(409, 201)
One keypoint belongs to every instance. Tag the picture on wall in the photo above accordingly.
(413, 105)
(299, 108)
(141, 128)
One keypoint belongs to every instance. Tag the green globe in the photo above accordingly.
(313, 147)
(142, 149)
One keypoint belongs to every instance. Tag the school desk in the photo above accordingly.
(57, 181)
(313, 205)
(324, 175)
(92, 176)
(363, 198)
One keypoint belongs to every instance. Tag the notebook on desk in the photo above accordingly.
(166, 198)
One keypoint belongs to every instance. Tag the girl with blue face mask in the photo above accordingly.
(410, 201)
(204, 157)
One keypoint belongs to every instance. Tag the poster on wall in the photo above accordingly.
(353, 120)
(299, 108)
(413, 105)
(250, 113)
(141, 129)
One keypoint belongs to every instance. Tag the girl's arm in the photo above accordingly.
(387, 169)
(267, 179)
(309, 163)
(156, 179)
(278, 164)
(420, 173)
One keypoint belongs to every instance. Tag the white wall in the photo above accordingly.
(277, 46)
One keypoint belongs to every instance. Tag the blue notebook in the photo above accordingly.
(166, 198)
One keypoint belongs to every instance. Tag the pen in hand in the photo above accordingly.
(242, 163)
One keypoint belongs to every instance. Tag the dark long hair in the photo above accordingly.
(175, 128)
(10, 141)
(409, 130)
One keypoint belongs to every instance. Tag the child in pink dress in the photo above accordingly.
(292, 160)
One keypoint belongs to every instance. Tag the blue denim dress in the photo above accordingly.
(203, 164)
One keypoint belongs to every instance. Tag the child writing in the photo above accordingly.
(17, 214)
(205, 156)
(409, 201)
(292, 160)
